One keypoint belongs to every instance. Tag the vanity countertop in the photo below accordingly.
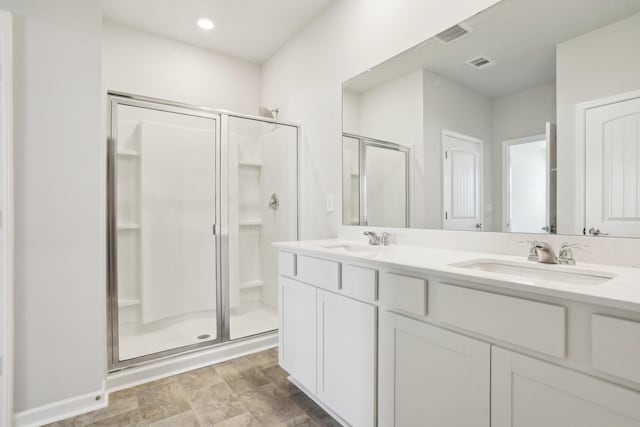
(622, 291)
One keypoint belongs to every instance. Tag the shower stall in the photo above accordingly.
(195, 198)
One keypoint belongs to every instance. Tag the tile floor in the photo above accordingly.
(251, 391)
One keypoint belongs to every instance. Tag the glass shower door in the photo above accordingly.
(164, 294)
(262, 209)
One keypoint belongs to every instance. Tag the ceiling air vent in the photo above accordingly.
(480, 62)
(453, 33)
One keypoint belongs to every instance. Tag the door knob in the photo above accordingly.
(594, 231)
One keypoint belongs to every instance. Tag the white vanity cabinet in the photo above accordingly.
(328, 336)
(527, 392)
(347, 357)
(298, 331)
(431, 377)
(380, 345)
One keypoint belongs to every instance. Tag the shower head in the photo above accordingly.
(269, 114)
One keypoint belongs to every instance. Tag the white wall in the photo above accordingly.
(304, 80)
(59, 255)
(393, 112)
(595, 65)
(517, 115)
(450, 106)
(149, 65)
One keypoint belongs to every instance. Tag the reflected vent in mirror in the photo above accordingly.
(480, 62)
(453, 33)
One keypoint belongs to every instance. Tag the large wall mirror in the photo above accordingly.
(523, 118)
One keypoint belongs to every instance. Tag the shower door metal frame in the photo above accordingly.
(221, 231)
(363, 143)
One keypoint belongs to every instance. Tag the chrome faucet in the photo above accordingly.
(545, 253)
(376, 240)
(565, 256)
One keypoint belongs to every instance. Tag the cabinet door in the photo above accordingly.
(298, 331)
(347, 357)
(430, 376)
(527, 392)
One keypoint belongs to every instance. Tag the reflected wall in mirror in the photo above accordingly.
(523, 118)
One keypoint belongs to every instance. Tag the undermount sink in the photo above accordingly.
(353, 247)
(548, 272)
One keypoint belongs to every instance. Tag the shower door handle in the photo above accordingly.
(213, 229)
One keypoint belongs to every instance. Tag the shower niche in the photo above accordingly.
(191, 220)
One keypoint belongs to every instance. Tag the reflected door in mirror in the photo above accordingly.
(612, 181)
(462, 190)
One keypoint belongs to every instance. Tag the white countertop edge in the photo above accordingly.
(621, 292)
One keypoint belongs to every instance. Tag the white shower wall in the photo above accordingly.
(262, 163)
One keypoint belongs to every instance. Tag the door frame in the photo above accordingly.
(6, 225)
(480, 189)
(114, 101)
(363, 143)
(506, 144)
(580, 214)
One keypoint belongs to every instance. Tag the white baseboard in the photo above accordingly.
(178, 364)
(61, 410)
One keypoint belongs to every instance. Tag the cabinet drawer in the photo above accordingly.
(404, 293)
(287, 264)
(318, 272)
(615, 346)
(360, 282)
(530, 324)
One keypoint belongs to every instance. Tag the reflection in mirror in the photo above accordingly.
(505, 113)
(375, 182)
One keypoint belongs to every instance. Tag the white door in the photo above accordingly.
(298, 331)
(612, 179)
(431, 377)
(462, 181)
(346, 357)
(527, 392)
(529, 183)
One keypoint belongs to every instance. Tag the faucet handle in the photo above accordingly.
(567, 245)
(565, 256)
(533, 254)
(385, 238)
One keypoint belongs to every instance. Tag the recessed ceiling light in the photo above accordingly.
(205, 24)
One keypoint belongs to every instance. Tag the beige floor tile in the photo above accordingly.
(278, 377)
(161, 400)
(312, 409)
(244, 420)
(120, 402)
(193, 381)
(186, 419)
(126, 419)
(216, 403)
(269, 407)
(69, 422)
(244, 379)
(252, 391)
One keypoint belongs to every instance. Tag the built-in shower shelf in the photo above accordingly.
(251, 284)
(128, 302)
(128, 153)
(249, 164)
(250, 223)
(128, 226)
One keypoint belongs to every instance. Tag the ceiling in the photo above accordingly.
(247, 29)
(519, 35)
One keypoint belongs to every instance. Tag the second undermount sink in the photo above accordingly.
(550, 272)
(353, 247)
